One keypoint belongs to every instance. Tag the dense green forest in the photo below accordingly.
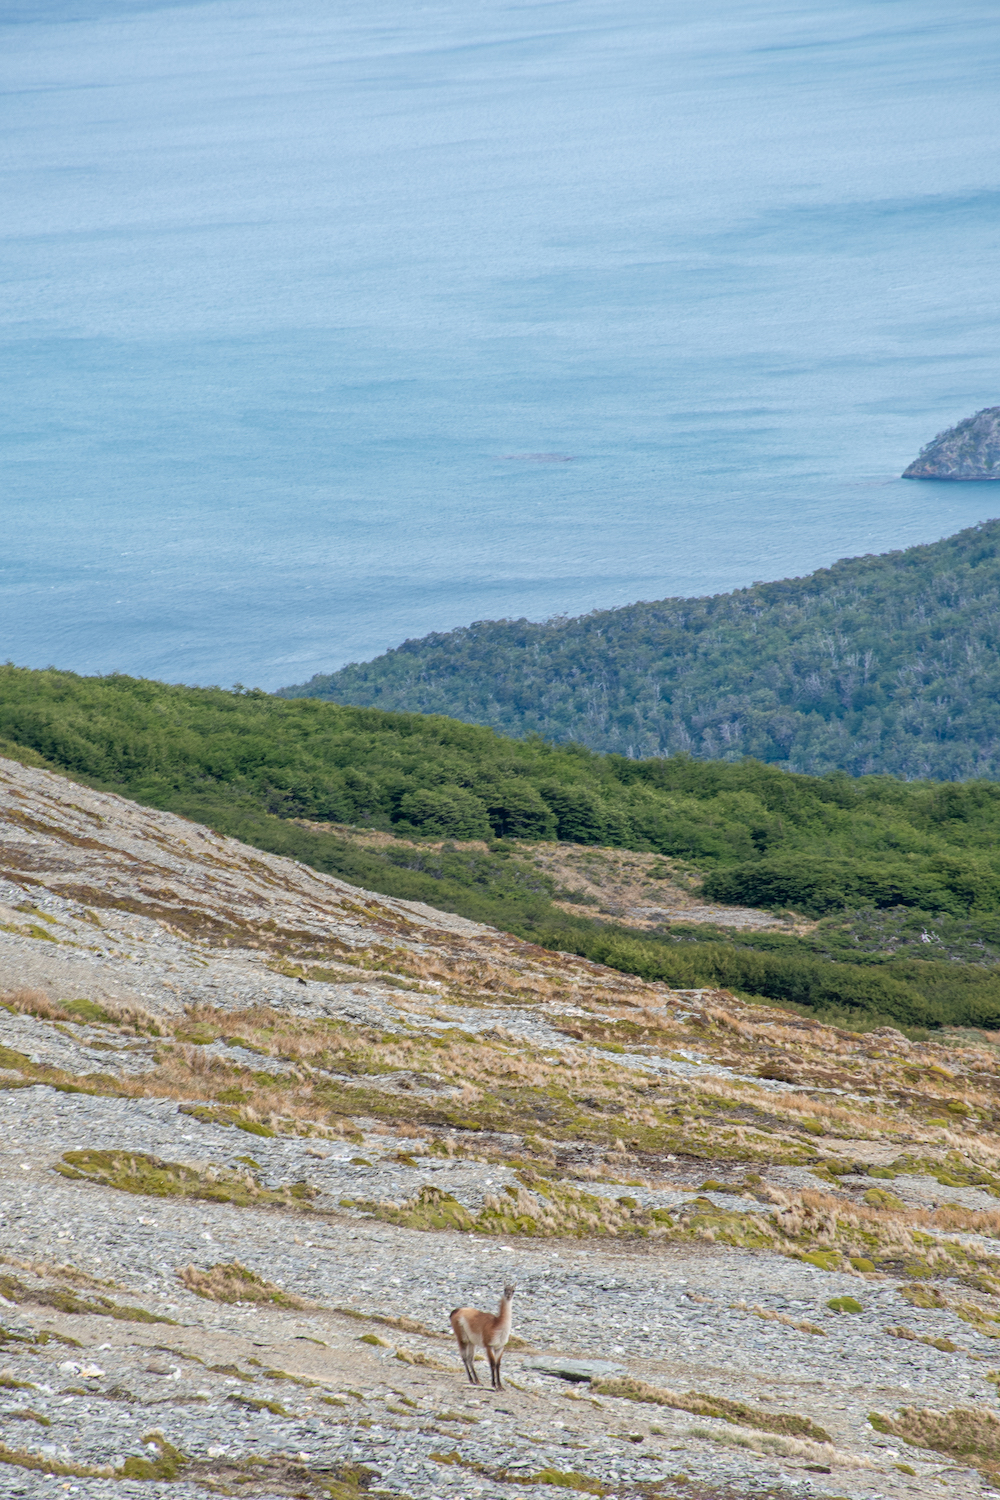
(904, 876)
(877, 665)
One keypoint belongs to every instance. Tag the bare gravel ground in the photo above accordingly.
(667, 1317)
(107, 902)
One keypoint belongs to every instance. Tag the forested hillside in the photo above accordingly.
(878, 664)
(903, 877)
(759, 835)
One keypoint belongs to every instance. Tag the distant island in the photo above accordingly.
(969, 451)
(878, 664)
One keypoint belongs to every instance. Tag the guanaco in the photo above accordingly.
(478, 1330)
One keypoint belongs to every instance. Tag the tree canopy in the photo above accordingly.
(902, 877)
(879, 664)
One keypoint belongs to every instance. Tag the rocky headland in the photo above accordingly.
(969, 450)
(261, 1130)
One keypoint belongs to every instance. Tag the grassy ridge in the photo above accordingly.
(878, 857)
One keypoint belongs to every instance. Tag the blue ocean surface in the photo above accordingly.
(329, 324)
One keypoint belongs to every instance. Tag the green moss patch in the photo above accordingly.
(600, 1113)
(945, 1345)
(137, 1172)
(424, 1361)
(563, 1479)
(21, 1458)
(271, 1373)
(227, 1117)
(560, 1478)
(27, 1415)
(432, 1208)
(787, 1424)
(978, 1318)
(953, 1171)
(823, 1260)
(233, 1370)
(922, 1296)
(405, 1325)
(541, 1207)
(259, 1403)
(65, 1300)
(984, 1322)
(223, 1476)
(535, 1207)
(86, 1012)
(882, 1198)
(704, 1219)
(167, 1464)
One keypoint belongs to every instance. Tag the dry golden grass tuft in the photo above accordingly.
(945, 1345)
(425, 1361)
(820, 1456)
(969, 1436)
(769, 1316)
(35, 1003)
(125, 1017)
(232, 1282)
(860, 1231)
(45, 1270)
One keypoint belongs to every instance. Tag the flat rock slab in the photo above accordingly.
(574, 1369)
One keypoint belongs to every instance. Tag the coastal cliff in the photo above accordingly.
(970, 450)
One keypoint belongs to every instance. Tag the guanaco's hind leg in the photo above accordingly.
(468, 1353)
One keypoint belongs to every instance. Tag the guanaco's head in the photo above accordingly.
(508, 1293)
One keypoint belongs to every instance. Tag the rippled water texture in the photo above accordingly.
(330, 324)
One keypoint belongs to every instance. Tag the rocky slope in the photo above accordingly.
(260, 1130)
(969, 450)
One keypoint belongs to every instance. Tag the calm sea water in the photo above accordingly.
(294, 297)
